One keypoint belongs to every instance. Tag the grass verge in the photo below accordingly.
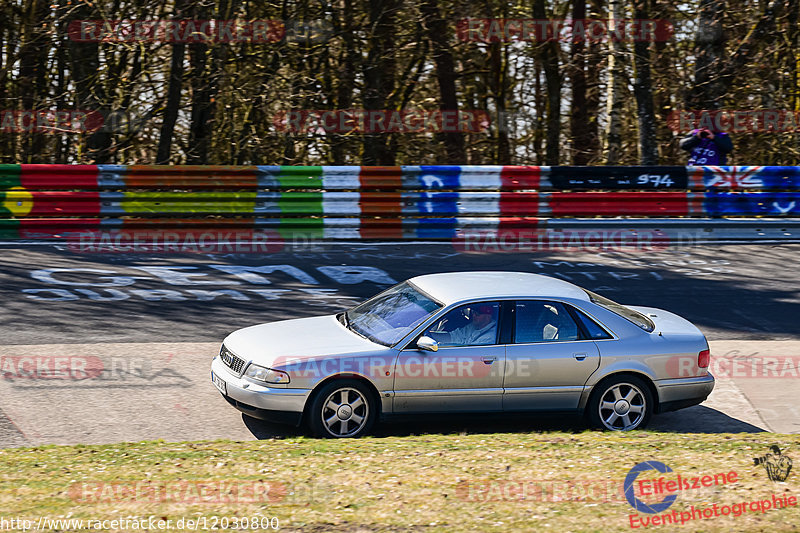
(501, 482)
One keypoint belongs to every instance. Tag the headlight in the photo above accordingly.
(267, 375)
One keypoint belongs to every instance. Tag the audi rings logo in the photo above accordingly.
(635, 502)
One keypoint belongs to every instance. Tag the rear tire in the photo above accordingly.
(621, 403)
(343, 408)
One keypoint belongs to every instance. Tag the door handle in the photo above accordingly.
(488, 359)
(579, 356)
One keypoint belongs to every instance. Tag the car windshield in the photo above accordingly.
(391, 315)
(634, 316)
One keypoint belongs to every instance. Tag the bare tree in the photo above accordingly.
(643, 90)
(614, 97)
(549, 51)
(439, 37)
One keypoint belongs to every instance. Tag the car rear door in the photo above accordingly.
(549, 360)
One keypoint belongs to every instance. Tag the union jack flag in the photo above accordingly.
(733, 177)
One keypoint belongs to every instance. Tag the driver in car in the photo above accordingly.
(482, 329)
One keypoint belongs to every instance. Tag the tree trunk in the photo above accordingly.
(379, 73)
(32, 70)
(643, 90)
(549, 51)
(714, 73)
(174, 92)
(579, 117)
(593, 69)
(439, 37)
(614, 98)
(541, 110)
(348, 63)
(709, 87)
(206, 71)
(91, 95)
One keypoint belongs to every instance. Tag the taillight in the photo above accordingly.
(703, 358)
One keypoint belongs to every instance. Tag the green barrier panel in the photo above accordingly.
(300, 203)
(301, 228)
(10, 176)
(9, 229)
(300, 177)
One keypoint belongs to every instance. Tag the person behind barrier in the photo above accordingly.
(707, 147)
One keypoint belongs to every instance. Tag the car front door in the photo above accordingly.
(550, 359)
(464, 374)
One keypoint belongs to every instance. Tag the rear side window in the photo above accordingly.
(625, 312)
(591, 327)
(540, 321)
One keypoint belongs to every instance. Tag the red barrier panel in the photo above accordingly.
(383, 228)
(55, 228)
(520, 203)
(381, 203)
(618, 204)
(520, 177)
(381, 178)
(59, 177)
(61, 203)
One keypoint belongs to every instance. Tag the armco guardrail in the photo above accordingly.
(60, 201)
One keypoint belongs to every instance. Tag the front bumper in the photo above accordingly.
(277, 404)
(683, 392)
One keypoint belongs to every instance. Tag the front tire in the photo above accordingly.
(342, 409)
(621, 404)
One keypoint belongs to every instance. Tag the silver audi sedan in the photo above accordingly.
(467, 342)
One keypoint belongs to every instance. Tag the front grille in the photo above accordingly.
(231, 361)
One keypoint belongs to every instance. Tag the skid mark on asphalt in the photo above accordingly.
(10, 434)
(106, 393)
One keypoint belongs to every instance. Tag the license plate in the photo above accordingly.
(219, 383)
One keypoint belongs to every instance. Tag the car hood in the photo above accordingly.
(301, 338)
(667, 323)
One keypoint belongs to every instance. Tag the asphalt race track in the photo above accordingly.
(122, 342)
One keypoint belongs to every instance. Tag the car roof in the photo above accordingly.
(453, 287)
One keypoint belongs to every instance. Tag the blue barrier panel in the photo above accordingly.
(752, 203)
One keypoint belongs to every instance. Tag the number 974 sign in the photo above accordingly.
(656, 180)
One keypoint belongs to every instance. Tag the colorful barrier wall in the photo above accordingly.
(57, 201)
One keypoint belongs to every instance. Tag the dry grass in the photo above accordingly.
(394, 483)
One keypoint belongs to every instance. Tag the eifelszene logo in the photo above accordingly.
(635, 502)
(777, 465)
(669, 487)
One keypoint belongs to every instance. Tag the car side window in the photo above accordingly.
(541, 321)
(468, 325)
(591, 327)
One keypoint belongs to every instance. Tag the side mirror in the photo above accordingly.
(427, 344)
